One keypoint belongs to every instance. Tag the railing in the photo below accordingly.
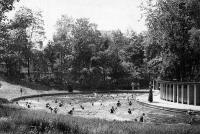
(180, 92)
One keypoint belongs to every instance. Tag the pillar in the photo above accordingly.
(177, 93)
(162, 87)
(195, 94)
(166, 95)
(169, 92)
(161, 91)
(173, 92)
(158, 86)
(153, 85)
(164, 91)
(188, 94)
(182, 93)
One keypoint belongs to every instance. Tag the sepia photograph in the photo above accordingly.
(99, 66)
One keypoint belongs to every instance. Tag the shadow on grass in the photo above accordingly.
(3, 101)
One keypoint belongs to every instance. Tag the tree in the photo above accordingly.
(86, 42)
(64, 27)
(50, 55)
(6, 5)
(29, 28)
(171, 27)
(40, 62)
(63, 41)
(16, 50)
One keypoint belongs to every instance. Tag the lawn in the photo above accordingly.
(10, 91)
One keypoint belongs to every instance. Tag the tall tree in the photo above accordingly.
(63, 41)
(172, 26)
(86, 40)
(50, 55)
(5, 6)
(30, 28)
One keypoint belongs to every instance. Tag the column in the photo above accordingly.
(162, 86)
(182, 93)
(158, 86)
(173, 92)
(170, 92)
(153, 85)
(161, 91)
(188, 94)
(177, 93)
(166, 92)
(195, 94)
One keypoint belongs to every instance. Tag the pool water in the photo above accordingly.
(99, 106)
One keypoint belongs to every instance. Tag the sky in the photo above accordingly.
(107, 14)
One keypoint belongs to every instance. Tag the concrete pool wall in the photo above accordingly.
(85, 92)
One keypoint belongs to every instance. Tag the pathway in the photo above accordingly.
(165, 104)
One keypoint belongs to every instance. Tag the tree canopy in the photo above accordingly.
(173, 35)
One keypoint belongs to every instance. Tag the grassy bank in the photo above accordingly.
(10, 91)
(15, 120)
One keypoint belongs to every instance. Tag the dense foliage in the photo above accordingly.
(85, 57)
(173, 38)
(79, 54)
(18, 40)
(95, 59)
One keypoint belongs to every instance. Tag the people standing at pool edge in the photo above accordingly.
(21, 91)
(142, 117)
(69, 87)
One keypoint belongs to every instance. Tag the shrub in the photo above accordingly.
(70, 88)
(6, 125)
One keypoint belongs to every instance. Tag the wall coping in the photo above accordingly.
(85, 92)
(176, 82)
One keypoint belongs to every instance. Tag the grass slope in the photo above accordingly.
(10, 91)
(15, 120)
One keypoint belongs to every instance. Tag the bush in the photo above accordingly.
(44, 81)
(6, 124)
(47, 81)
(70, 88)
